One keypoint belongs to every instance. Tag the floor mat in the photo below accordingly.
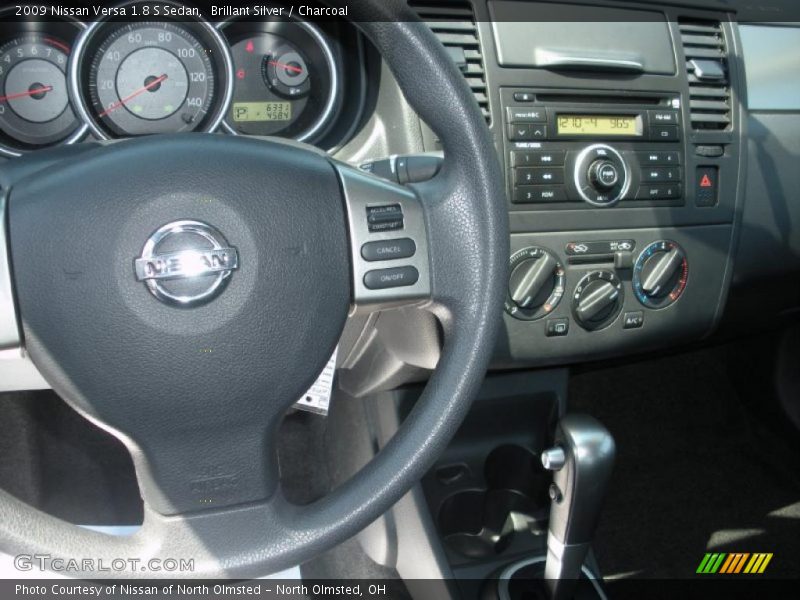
(697, 469)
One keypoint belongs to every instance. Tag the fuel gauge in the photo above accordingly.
(286, 72)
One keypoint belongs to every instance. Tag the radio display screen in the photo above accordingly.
(600, 125)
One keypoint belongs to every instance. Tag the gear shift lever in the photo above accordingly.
(582, 461)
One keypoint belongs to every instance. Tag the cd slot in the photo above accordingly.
(595, 99)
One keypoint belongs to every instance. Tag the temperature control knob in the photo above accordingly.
(601, 175)
(536, 285)
(660, 274)
(597, 300)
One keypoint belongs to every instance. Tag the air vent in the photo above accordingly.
(454, 25)
(707, 71)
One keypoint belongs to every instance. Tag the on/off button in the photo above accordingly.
(382, 279)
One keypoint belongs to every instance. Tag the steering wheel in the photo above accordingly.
(195, 374)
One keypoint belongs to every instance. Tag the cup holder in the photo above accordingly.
(479, 523)
(513, 467)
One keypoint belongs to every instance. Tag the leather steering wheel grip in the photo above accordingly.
(467, 228)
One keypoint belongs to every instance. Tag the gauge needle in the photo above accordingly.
(41, 90)
(285, 66)
(141, 90)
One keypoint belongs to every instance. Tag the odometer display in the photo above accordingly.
(245, 112)
(601, 125)
(150, 78)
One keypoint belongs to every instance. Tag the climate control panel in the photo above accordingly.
(595, 275)
(585, 295)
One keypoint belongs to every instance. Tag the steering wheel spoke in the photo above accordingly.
(388, 242)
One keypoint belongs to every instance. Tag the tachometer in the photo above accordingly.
(34, 104)
(153, 77)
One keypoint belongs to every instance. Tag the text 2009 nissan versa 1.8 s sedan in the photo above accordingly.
(468, 299)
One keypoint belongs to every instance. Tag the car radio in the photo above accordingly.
(571, 150)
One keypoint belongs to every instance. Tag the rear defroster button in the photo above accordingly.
(382, 279)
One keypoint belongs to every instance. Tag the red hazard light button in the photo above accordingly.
(705, 193)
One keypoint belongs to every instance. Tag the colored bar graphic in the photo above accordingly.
(734, 563)
(765, 563)
(703, 563)
(711, 562)
(740, 563)
(727, 564)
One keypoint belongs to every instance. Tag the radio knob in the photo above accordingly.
(603, 174)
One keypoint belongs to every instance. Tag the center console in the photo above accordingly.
(619, 129)
(620, 139)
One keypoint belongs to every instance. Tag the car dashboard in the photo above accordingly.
(649, 151)
(66, 80)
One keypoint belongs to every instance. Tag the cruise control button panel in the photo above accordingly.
(388, 242)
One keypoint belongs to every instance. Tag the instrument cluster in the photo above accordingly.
(60, 79)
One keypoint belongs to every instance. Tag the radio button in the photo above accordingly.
(667, 158)
(664, 117)
(523, 96)
(538, 176)
(659, 192)
(664, 133)
(525, 114)
(660, 174)
(538, 158)
(519, 132)
(530, 194)
(526, 132)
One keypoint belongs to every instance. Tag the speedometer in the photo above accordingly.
(152, 77)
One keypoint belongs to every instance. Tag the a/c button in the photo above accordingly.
(391, 278)
(388, 249)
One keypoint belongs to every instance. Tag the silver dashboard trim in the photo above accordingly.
(362, 190)
(580, 163)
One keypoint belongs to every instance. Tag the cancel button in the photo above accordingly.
(391, 278)
(388, 249)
